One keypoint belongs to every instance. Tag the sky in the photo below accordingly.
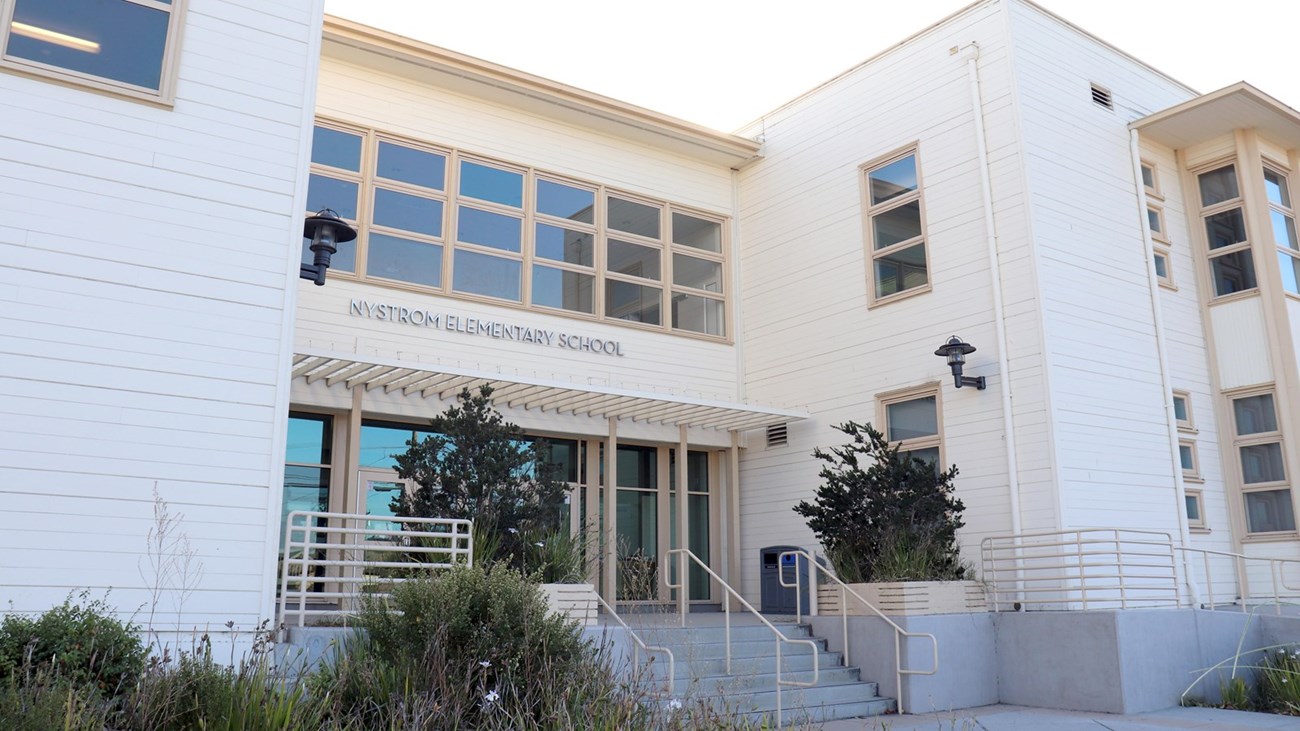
(724, 63)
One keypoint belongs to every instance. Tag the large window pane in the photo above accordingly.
(1276, 188)
(112, 39)
(895, 179)
(637, 524)
(492, 276)
(1255, 414)
(484, 228)
(1218, 185)
(380, 443)
(633, 217)
(1283, 229)
(563, 289)
(336, 149)
(697, 232)
(633, 302)
(491, 184)
(897, 224)
(689, 271)
(340, 195)
(1262, 463)
(633, 259)
(407, 212)
(562, 244)
(638, 467)
(697, 471)
(698, 314)
(308, 440)
(566, 201)
(929, 455)
(912, 419)
(1225, 229)
(1269, 510)
(900, 270)
(409, 165)
(1233, 272)
(698, 543)
(392, 257)
(1290, 266)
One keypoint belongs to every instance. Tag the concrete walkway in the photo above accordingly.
(1019, 718)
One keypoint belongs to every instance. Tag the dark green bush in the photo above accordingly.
(80, 642)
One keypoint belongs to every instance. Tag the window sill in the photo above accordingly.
(1168, 285)
(1235, 296)
(899, 296)
(1198, 530)
(1197, 479)
(83, 82)
(1277, 537)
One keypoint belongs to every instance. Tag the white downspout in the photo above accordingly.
(1171, 418)
(995, 273)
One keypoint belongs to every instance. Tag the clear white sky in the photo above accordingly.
(723, 63)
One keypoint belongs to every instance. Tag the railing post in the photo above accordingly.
(779, 722)
(898, 669)
(1119, 561)
(844, 622)
(683, 581)
(1277, 595)
(1209, 583)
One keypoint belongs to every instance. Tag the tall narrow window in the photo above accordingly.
(911, 422)
(307, 464)
(1232, 267)
(1261, 460)
(123, 45)
(895, 228)
(335, 183)
(1282, 224)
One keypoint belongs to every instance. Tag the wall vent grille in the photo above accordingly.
(1101, 96)
(776, 435)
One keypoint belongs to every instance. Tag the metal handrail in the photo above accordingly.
(683, 582)
(845, 590)
(1072, 572)
(334, 546)
(640, 644)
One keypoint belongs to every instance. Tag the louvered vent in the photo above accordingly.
(1101, 97)
(776, 435)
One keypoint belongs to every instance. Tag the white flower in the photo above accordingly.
(1283, 680)
(540, 544)
(674, 705)
(512, 530)
(491, 697)
(485, 663)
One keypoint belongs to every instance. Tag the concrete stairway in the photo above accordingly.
(750, 689)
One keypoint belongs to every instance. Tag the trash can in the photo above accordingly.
(777, 599)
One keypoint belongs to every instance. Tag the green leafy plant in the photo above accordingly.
(479, 467)
(1278, 680)
(80, 641)
(557, 556)
(883, 516)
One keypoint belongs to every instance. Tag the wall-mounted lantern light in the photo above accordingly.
(955, 351)
(326, 231)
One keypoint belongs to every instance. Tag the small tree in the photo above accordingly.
(480, 467)
(882, 516)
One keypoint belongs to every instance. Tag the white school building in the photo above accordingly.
(1120, 249)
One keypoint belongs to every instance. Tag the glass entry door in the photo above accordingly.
(376, 490)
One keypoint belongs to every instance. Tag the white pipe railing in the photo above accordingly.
(682, 585)
(331, 559)
(847, 591)
(1106, 568)
(640, 645)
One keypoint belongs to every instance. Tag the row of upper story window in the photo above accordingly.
(442, 220)
(124, 46)
(1224, 218)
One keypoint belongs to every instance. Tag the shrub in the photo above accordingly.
(79, 642)
(1278, 678)
(884, 517)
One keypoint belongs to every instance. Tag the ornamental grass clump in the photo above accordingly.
(884, 516)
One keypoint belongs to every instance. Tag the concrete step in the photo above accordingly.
(717, 667)
(659, 635)
(800, 716)
(808, 698)
(742, 649)
(757, 682)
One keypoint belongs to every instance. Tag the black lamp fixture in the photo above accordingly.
(326, 231)
(956, 351)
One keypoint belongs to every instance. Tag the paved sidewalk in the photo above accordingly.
(1020, 718)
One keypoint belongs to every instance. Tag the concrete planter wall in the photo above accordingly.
(577, 602)
(906, 598)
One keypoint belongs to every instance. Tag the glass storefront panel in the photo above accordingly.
(637, 526)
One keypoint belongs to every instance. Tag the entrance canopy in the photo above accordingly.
(515, 391)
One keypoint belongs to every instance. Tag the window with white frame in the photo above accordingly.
(1151, 180)
(1194, 505)
(912, 423)
(895, 226)
(1261, 460)
(1189, 459)
(1232, 267)
(126, 46)
(1282, 223)
(439, 219)
(1183, 411)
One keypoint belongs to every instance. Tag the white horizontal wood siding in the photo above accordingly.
(810, 339)
(1241, 343)
(1106, 390)
(144, 259)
